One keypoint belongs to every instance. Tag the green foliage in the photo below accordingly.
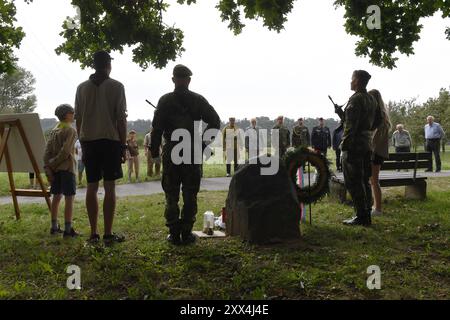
(16, 91)
(113, 25)
(414, 115)
(400, 27)
(10, 36)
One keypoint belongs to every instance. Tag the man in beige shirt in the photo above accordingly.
(101, 118)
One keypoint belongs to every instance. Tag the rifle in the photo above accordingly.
(150, 103)
(337, 108)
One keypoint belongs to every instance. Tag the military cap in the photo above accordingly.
(181, 71)
(63, 110)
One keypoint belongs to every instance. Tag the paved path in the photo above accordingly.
(135, 189)
(153, 187)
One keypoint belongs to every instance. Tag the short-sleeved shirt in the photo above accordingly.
(98, 107)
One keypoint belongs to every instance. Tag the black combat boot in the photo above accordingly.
(357, 221)
(362, 219)
(187, 237)
(174, 236)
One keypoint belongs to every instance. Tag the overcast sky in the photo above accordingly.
(258, 73)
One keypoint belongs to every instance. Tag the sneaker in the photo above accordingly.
(94, 238)
(56, 231)
(438, 170)
(375, 213)
(71, 234)
(228, 175)
(429, 170)
(113, 238)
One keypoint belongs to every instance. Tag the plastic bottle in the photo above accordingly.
(208, 223)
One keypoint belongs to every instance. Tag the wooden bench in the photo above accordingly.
(415, 183)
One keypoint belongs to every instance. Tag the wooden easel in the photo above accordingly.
(5, 131)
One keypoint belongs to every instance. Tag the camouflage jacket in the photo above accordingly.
(180, 109)
(300, 136)
(359, 122)
(285, 136)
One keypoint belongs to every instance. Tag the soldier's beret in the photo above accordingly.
(181, 71)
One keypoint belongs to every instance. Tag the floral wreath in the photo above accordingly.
(299, 157)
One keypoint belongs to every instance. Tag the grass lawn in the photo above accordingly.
(409, 243)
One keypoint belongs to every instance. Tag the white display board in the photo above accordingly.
(19, 156)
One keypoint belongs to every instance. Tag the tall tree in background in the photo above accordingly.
(10, 36)
(16, 92)
(414, 115)
(116, 24)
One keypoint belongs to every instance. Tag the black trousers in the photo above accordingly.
(434, 146)
(338, 159)
(357, 172)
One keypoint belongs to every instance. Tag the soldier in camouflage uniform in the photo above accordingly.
(178, 110)
(361, 117)
(300, 135)
(284, 137)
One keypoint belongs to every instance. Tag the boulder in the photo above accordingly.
(262, 209)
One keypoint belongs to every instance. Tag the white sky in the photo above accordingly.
(258, 73)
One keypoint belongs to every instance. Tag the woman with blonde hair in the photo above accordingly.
(380, 151)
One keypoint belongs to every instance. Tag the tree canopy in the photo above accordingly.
(116, 24)
(16, 91)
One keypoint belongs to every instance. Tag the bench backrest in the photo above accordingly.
(408, 160)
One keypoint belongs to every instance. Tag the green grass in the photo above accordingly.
(410, 244)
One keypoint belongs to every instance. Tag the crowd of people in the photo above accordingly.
(100, 144)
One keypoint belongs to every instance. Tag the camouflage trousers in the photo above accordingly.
(187, 177)
(357, 170)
